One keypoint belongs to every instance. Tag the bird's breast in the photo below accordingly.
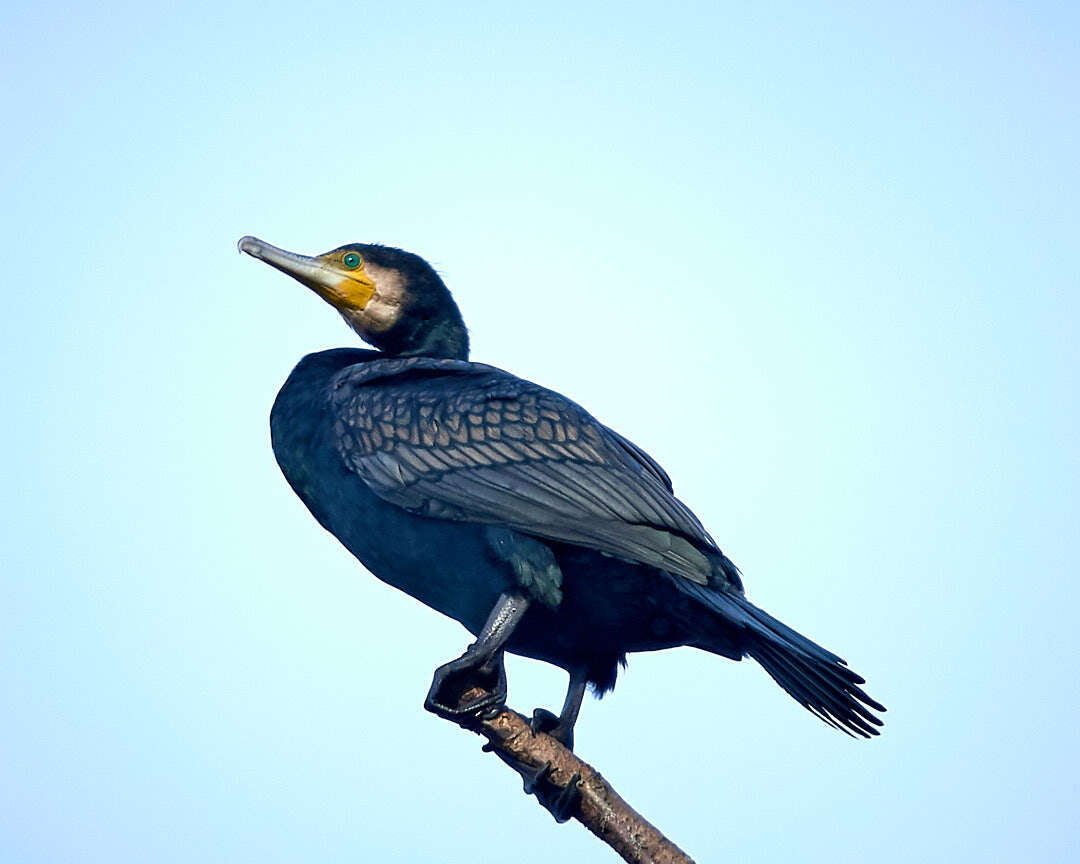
(446, 565)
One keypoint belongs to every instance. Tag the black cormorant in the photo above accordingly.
(508, 507)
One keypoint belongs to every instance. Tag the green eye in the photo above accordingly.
(352, 260)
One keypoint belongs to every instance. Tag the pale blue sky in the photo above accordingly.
(819, 259)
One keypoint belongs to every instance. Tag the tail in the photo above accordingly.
(815, 678)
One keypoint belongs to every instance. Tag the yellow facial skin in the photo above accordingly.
(338, 277)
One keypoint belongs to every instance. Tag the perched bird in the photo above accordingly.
(508, 507)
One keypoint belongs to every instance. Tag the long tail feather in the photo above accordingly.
(817, 679)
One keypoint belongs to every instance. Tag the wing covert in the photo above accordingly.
(464, 441)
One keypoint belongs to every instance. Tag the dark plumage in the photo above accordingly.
(474, 490)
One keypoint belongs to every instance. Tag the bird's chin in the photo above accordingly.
(373, 320)
(361, 326)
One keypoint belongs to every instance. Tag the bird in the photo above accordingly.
(508, 507)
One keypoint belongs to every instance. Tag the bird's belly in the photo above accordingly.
(609, 607)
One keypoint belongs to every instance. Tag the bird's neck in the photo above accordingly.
(444, 338)
(305, 388)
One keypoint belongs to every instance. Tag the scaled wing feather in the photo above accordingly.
(466, 441)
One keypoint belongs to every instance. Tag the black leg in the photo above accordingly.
(480, 666)
(561, 728)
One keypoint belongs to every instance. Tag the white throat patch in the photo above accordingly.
(384, 308)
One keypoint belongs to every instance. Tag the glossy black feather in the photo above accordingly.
(470, 442)
(816, 678)
(411, 461)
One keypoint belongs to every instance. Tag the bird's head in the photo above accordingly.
(393, 299)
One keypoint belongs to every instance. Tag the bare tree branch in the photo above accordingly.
(598, 807)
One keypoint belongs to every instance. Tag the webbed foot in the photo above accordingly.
(454, 679)
(561, 802)
(553, 725)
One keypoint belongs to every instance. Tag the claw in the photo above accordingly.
(454, 679)
(532, 777)
(551, 724)
(561, 802)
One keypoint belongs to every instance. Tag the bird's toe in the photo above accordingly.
(467, 688)
(553, 725)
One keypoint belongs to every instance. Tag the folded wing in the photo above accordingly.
(468, 442)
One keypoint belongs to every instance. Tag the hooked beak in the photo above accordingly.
(345, 291)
